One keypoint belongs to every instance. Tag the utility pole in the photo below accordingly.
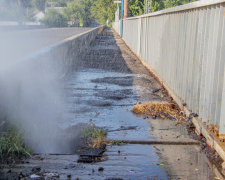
(126, 9)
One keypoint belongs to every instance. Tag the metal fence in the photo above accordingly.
(185, 47)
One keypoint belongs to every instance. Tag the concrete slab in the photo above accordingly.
(168, 130)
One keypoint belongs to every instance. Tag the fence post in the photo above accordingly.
(222, 111)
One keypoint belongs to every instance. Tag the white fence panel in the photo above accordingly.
(185, 47)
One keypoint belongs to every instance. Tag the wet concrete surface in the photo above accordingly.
(119, 164)
(108, 80)
(105, 105)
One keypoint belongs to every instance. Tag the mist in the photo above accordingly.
(31, 96)
(31, 89)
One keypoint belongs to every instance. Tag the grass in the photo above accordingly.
(118, 143)
(12, 147)
(94, 137)
(162, 110)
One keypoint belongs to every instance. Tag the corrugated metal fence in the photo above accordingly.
(185, 47)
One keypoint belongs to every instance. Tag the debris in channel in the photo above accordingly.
(159, 110)
(95, 139)
(92, 155)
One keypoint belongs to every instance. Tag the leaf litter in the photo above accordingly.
(160, 110)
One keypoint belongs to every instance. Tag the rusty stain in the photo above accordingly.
(222, 137)
(214, 129)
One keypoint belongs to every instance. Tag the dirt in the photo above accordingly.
(213, 157)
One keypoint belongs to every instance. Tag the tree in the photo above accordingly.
(72, 12)
(16, 10)
(54, 19)
(24, 3)
(40, 4)
(79, 11)
(104, 10)
(156, 5)
(172, 3)
(136, 7)
(59, 3)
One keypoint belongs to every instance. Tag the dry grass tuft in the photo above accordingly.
(161, 110)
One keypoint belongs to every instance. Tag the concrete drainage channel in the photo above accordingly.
(107, 80)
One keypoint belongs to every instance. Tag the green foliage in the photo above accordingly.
(83, 12)
(40, 4)
(156, 5)
(104, 10)
(54, 19)
(136, 7)
(12, 147)
(59, 3)
(94, 136)
(12, 10)
(24, 3)
(79, 12)
(172, 3)
(93, 132)
(118, 143)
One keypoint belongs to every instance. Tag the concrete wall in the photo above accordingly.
(32, 91)
(63, 55)
(33, 83)
(185, 47)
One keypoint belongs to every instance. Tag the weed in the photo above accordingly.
(12, 147)
(94, 137)
(118, 143)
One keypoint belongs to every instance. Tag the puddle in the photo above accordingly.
(106, 105)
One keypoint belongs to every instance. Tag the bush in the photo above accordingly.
(54, 19)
